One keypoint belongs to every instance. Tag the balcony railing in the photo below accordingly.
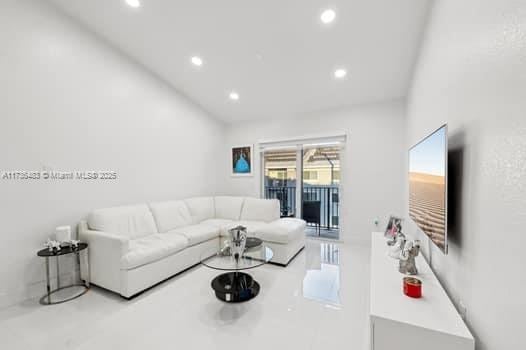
(328, 198)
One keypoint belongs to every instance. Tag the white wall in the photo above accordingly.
(372, 163)
(69, 102)
(472, 75)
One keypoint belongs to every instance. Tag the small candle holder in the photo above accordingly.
(412, 287)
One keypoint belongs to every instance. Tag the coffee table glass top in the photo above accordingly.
(250, 259)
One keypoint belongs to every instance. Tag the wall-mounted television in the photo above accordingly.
(428, 186)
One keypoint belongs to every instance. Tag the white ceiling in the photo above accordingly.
(276, 54)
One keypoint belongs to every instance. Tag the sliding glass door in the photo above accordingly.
(305, 178)
(321, 190)
(280, 179)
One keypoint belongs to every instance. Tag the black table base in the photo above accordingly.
(49, 300)
(235, 287)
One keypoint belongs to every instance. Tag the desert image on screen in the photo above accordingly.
(427, 181)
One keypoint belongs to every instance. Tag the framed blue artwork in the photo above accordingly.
(242, 160)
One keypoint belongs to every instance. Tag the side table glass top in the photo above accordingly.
(250, 259)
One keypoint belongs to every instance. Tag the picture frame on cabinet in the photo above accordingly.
(394, 226)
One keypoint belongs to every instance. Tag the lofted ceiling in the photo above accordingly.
(277, 55)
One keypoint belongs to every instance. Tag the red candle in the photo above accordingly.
(412, 287)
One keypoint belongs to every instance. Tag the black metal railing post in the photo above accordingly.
(328, 208)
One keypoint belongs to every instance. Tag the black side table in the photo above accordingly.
(46, 253)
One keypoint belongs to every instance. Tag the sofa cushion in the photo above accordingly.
(219, 223)
(170, 214)
(197, 233)
(253, 227)
(201, 208)
(228, 207)
(255, 209)
(282, 231)
(132, 221)
(151, 248)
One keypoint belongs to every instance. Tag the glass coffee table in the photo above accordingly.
(236, 286)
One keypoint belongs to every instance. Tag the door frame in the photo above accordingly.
(339, 139)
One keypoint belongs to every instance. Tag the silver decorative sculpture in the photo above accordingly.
(407, 258)
(397, 244)
(398, 237)
(238, 240)
(405, 251)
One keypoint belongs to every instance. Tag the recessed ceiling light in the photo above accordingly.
(197, 61)
(340, 73)
(234, 96)
(134, 3)
(327, 16)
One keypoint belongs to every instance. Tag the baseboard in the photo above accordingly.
(159, 283)
(32, 291)
(191, 267)
(37, 289)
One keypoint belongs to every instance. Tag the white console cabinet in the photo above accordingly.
(401, 322)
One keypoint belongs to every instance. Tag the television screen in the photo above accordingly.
(428, 186)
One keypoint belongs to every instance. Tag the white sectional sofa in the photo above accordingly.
(132, 248)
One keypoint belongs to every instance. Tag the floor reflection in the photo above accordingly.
(311, 231)
(322, 283)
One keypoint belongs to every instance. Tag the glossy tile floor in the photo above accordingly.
(319, 301)
(322, 233)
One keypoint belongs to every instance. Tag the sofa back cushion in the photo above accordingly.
(201, 208)
(132, 221)
(170, 215)
(228, 207)
(255, 209)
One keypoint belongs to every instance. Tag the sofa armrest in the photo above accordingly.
(288, 224)
(105, 253)
(112, 241)
(283, 230)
